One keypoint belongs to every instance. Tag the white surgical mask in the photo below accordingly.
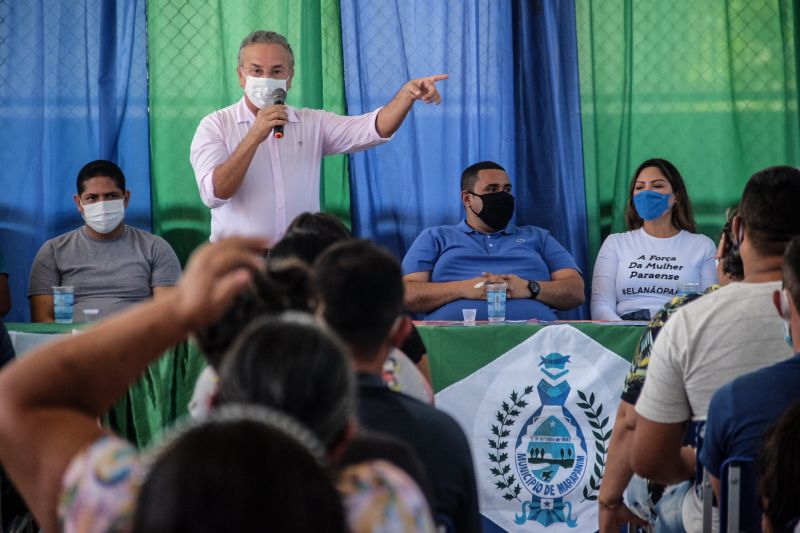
(103, 217)
(259, 90)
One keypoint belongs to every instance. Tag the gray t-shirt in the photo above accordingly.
(107, 275)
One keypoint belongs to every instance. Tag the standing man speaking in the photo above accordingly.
(255, 181)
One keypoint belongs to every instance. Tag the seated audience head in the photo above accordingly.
(321, 223)
(660, 176)
(101, 198)
(243, 468)
(787, 300)
(284, 285)
(302, 244)
(779, 468)
(291, 363)
(729, 262)
(767, 218)
(362, 298)
(791, 270)
(486, 196)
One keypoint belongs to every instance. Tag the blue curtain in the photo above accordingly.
(413, 181)
(512, 97)
(549, 154)
(73, 88)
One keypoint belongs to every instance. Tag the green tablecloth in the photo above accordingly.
(162, 394)
(455, 351)
(156, 400)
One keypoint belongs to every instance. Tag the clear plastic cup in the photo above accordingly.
(63, 300)
(688, 287)
(469, 316)
(496, 301)
(91, 315)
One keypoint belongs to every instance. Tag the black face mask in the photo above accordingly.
(497, 209)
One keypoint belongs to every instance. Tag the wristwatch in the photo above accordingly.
(534, 287)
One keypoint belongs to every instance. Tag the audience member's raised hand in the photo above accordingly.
(215, 274)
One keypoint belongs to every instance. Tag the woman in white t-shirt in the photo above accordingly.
(638, 271)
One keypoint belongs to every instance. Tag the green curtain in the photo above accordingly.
(192, 49)
(707, 84)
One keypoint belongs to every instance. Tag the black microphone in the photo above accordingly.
(279, 98)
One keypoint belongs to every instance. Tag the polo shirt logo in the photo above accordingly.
(520, 240)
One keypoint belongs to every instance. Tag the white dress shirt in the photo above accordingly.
(284, 176)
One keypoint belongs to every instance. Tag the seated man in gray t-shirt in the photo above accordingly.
(109, 264)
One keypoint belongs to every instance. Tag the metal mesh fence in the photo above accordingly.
(709, 85)
(73, 88)
(193, 49)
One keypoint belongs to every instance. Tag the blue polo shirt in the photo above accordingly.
(456, 253)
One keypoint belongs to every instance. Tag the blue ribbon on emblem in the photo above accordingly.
(546, 512)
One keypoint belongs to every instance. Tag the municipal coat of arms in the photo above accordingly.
(538, 449)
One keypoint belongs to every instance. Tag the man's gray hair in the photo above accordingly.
(266, 37)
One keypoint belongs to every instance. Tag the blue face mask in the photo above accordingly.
(787, 319)
(787, 334)
(651, 204)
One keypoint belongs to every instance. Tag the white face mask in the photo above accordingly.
(104, 217)
(259, 90)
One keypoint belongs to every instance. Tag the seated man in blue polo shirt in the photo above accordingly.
(448, 267)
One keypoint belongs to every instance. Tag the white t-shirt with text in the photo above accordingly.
(636, 271)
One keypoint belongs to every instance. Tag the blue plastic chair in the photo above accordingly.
(443, 523)
(740, 510)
